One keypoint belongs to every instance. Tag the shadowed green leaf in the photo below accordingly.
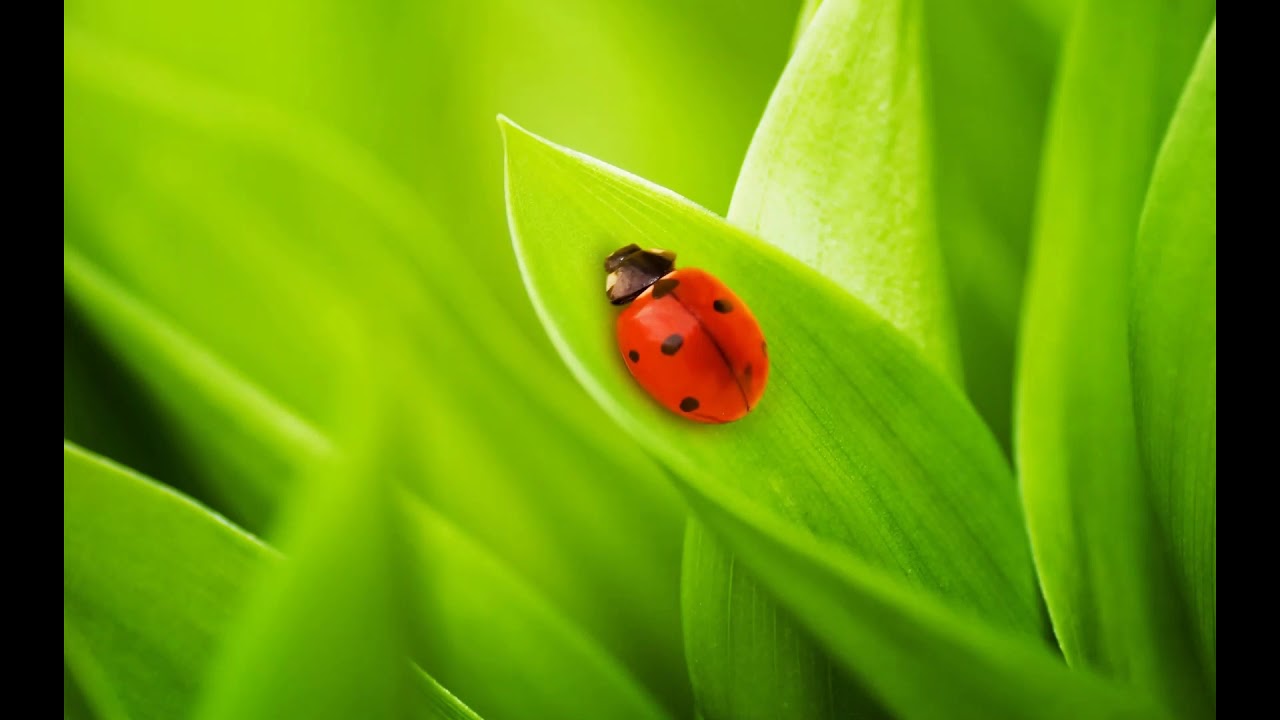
(1106, 574)
(903, 470)
(1173, 334)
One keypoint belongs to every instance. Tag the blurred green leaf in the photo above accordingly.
(1173, 336)
(150, 588)
(265, 203)
(495, 642)
(1105, 573)
(322, 637)
(990, 70)
(837, 175)
(242, 433)
(150, 580)
(904, 471)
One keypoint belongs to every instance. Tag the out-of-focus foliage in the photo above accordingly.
(333, 449)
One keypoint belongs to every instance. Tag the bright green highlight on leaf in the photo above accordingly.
(1173, 332)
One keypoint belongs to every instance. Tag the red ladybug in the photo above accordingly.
(686, 338)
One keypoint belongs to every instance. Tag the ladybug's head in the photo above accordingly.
(631, 270)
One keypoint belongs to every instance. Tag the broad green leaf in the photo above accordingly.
(600, 532)
(150, 589)
(1173, 336)
(494, 641)
(872, 449)
(837, 175)
(990, 68)
(1105, 573)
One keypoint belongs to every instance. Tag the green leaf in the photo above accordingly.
(493, 640)
(837, 175)
(150, 581)
(1103, 568)
(1173, 336)
(871, 449)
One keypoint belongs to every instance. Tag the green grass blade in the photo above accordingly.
(151, 588)
(873, 450)
(1103, 569)
(838, 173)
(1173, 335)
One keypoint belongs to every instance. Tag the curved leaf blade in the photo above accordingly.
(874, 437)
(1173, 336)
(1103, 568)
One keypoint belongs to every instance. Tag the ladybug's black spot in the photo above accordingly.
(672, 344)
(664, 286)
(635, 356)
(689, 404)
(722, 306)
(746, 372)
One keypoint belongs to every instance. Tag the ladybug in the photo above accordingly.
(686, 337)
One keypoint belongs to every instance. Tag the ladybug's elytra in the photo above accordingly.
(687, 339)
